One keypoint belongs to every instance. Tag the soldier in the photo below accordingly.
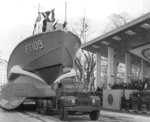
(139, 102)
(44, 25)
(130, 101)
(123, 101)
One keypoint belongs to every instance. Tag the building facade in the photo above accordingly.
(3, 72)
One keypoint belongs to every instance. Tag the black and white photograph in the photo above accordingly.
(75, 61)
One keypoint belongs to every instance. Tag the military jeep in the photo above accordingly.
(74, 98)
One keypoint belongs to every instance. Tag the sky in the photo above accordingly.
(17, 17)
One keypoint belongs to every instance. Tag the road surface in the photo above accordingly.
(29, 116)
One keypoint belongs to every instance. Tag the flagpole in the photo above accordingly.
(38, 14)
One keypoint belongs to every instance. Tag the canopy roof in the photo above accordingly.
(133, 37)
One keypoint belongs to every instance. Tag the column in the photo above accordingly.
(98, 70)
(110, 66)
(127, 68)
(115, 69)
(143, 69)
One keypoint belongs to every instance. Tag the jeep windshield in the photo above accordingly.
(72, 84)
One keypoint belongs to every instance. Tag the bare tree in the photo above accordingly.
(85, 61)
(1, 54)
(117, 20)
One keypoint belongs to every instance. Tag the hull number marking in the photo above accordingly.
(34, 46)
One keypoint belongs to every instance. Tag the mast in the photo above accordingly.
(65, 22)
(36, 25)
(38, 15)
(65, 11)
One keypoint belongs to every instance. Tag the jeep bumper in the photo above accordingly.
(83, 108)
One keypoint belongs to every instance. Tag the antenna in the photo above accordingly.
(65, 11)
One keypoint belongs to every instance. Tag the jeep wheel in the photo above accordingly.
(94, 115)
(49, 107)
(38, 106)
(63, 115)
(43, 107)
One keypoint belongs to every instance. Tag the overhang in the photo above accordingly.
(132, 35)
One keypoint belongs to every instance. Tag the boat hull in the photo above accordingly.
(45, 54)
(35, 64)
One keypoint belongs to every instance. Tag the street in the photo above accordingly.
(29, 116)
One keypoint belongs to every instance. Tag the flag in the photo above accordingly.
(38, 19)
(54, 26)
(34, 28)
(47, 14)
(53, 16)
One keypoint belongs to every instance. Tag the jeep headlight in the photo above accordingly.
(70, 101)
(73, 102)
(95, 101)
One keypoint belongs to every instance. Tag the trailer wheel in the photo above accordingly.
(94, 115)
(43, 107)
(50, 106)
(38, 106)
(63, 114)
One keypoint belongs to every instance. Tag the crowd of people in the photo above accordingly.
(133, 85)
(137, 102)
